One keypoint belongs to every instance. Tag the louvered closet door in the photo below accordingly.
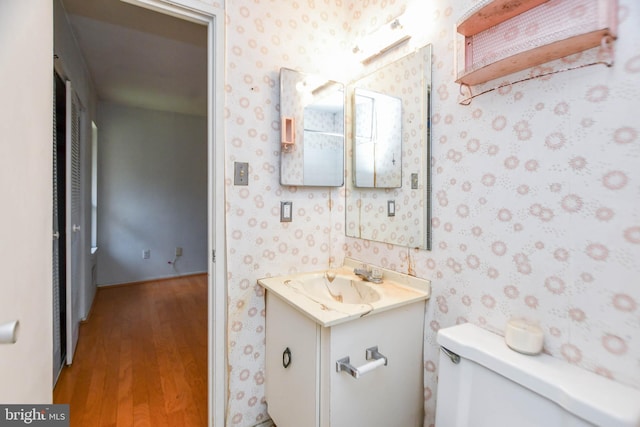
(73, 221)
(57, 350)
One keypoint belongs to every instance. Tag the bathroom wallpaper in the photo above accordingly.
(536, 204)
(535, 190)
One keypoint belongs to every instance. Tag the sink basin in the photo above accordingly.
(335, 296)
(335, 288)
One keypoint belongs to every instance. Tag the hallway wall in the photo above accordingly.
(152, 179)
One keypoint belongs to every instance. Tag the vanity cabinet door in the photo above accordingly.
(390, 395)
(292, 365)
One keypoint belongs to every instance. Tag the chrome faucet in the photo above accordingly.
(369, 274)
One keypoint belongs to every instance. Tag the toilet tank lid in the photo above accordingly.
(592, 397)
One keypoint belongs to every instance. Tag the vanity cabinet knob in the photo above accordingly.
(286, 358)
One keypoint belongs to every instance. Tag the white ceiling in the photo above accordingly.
(141, 58)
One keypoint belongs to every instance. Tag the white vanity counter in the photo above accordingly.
(331, 300)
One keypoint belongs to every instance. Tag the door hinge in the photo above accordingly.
(213, 255)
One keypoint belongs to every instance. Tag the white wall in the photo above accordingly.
(152, 179)
(70, 56)
(26, 43)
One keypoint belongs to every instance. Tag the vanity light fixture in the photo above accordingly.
(322, 87)
(382, 40)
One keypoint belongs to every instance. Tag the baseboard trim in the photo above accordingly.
(88, 317)
(158, 279)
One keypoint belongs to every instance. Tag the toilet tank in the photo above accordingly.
(492, 385)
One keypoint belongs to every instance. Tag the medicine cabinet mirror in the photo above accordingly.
(312, 130)
(388, 188)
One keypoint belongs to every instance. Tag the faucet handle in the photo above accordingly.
(376, 274)
(365, 267)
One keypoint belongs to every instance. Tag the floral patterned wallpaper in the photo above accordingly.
(536, 190)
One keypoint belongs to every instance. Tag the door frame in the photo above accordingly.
(213, 18)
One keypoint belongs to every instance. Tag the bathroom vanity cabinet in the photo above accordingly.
(303, 387)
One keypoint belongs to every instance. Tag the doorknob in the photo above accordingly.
(9, 332)
(56, 235)
(75, 227)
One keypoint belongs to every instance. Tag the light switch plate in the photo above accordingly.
(414, 181)
(240, 173)
(286, 209)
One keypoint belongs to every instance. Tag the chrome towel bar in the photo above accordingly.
(371, 354)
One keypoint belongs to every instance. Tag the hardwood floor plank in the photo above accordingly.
(141, 358)
(141, 415)
(125, 384)
(109, 409)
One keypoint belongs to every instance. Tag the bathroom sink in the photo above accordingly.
(329, 287)
(334, 296)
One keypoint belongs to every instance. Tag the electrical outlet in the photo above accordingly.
(146, 254)
(414, 181)
(286, 211)
(178, 251)
(240, 173)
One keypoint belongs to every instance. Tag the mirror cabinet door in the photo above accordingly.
(313, 116)
(388, 190)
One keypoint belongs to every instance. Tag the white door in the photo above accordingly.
(73, 220)
(26, 43)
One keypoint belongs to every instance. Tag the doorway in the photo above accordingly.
(211, 17)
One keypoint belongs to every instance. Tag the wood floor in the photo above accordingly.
(141, 358)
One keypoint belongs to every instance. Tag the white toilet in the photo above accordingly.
(482, 383)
